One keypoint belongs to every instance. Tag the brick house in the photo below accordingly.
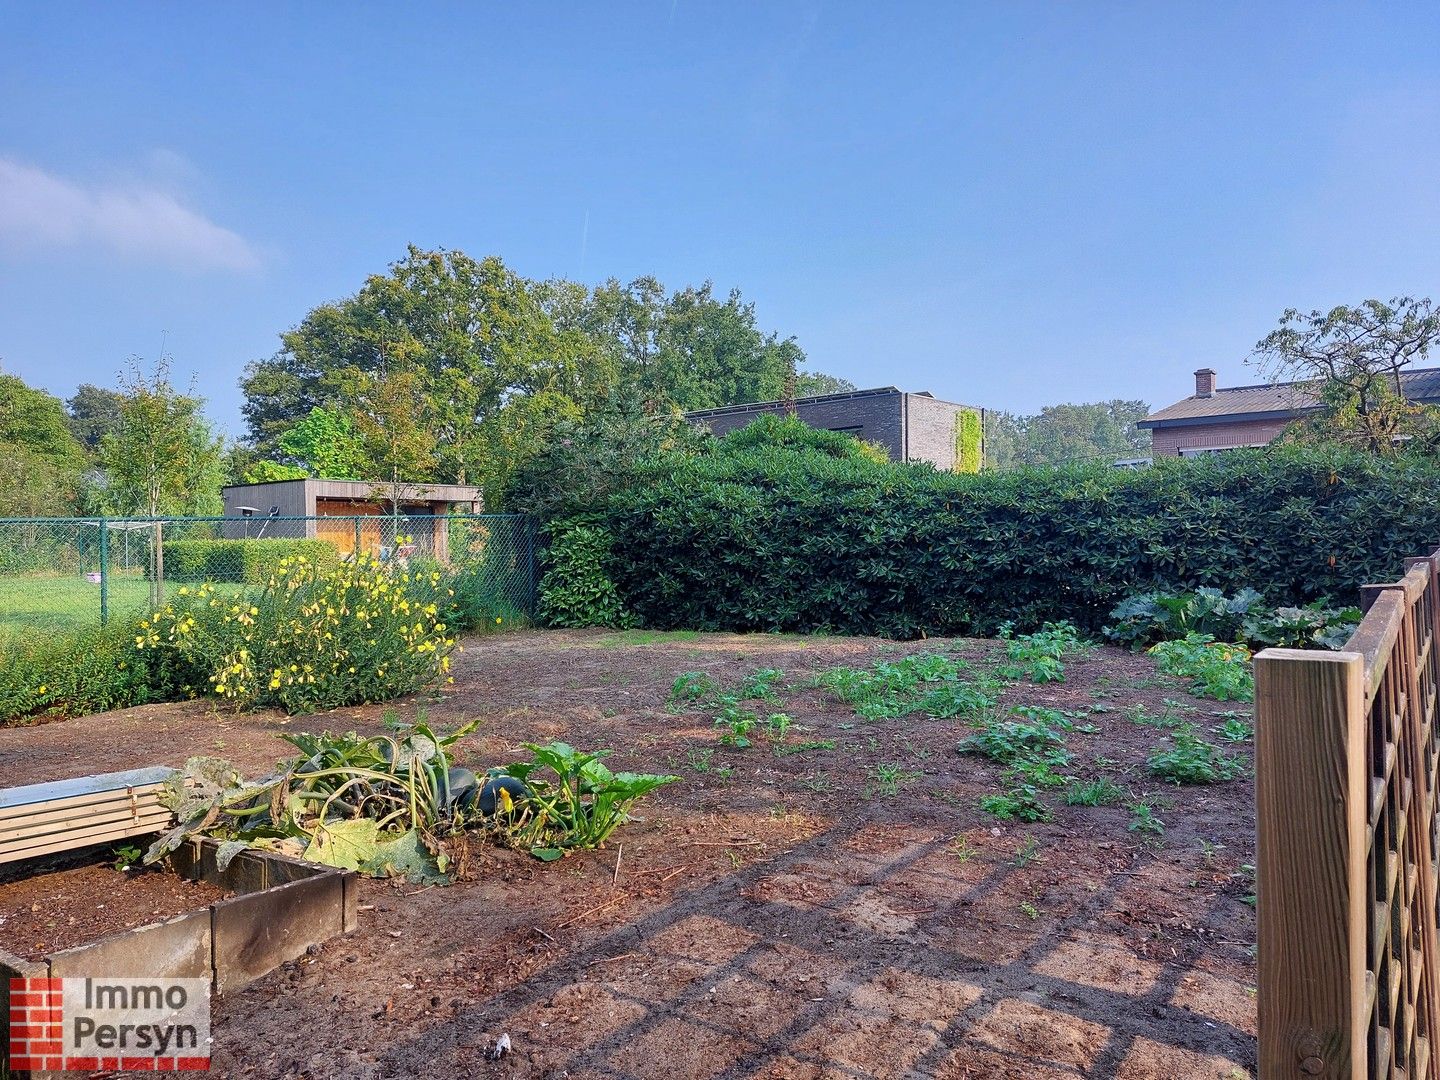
(912, 427)
(1223, 418)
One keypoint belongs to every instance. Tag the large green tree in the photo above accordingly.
(1353, 357)
(1061, 434)
(471, 335)
(163, 458)
(500, 360)
(40, 461)
(94, 413)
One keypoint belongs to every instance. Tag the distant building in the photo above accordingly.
(1218, 418)
(912, 427)
(262, 510)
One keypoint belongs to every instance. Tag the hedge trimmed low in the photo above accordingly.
(249, 562)
(784, 539)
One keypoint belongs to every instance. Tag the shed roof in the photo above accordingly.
(366, 489)
(1275, 399)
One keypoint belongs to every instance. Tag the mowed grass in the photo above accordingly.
(32, 604)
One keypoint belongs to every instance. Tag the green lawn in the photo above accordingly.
(35, 603)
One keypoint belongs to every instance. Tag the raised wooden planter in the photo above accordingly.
(281, 907)
(42, 819)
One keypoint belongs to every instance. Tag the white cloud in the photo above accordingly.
(39, 210)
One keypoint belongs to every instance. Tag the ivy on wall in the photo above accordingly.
(969, 441)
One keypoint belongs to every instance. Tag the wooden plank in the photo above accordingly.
(68, 842)
(87, 804)
(85, 785)
(149, 793)
(1311, 787)
(78, 825)
(1375, 637)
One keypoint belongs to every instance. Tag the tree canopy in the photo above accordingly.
(162, 458)
(40, 461)
(1355, 357)
(1067, 434)
(494, 361)
(94, 413)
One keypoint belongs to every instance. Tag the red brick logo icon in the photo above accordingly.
(37, 1024)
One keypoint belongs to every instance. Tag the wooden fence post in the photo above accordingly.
(1311, 815)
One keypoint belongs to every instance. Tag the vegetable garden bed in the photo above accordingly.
(828, 901)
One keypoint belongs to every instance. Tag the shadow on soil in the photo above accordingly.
(739, 979)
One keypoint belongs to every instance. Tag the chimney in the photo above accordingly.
(1205, 382)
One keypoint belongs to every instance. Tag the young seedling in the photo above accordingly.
(735, 724)
(1029, 851)
(1101, 792)
(691, 688)
(1192, 760)
(760, 685)
(887, 779)
(1020, 803)
(962, 850)
(1143, 818)
(776, 725)
(1234, 728)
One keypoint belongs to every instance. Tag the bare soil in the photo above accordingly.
(63, 908)
(773, 915)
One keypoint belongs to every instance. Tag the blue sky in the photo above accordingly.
(1007, 204)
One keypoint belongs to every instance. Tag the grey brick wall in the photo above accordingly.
(872, 417)
(912, 427)
(932, 430)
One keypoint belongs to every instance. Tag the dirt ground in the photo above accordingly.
(773, 915)
(45, 912)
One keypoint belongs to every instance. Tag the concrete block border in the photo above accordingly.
(281, 907)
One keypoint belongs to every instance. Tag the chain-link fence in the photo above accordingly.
(68, 572)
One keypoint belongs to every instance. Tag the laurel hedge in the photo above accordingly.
(788, 538)
(252, 562)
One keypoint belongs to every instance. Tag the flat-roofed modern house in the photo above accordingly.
(911, 427)
(315, 500)
(1218, 418)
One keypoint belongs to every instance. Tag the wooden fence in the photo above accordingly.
(1345, 760)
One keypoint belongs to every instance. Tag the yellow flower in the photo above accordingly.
(41, 690)
(497, 620)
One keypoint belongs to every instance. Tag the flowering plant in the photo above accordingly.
(311, 637)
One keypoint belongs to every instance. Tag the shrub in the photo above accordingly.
(774, 537)
(1216, 669)
(1162, 616)
(1193, 760)
(576, 589)
(82, 671)
(311, 638)
(249, 562)
(1159, 616)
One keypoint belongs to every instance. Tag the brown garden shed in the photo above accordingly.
(298, 508)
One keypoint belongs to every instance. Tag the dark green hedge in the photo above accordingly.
(250, 562)
(774, 538)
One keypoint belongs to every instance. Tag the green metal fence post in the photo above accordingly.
(357, 540)
(104, 572)
(530, 567)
